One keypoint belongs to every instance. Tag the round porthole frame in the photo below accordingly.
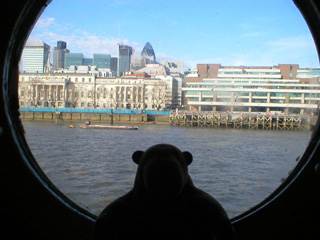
(291, 212)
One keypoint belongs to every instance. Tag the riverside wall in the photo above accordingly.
(95, 117)
(185, 119)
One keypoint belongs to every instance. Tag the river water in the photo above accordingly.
(239, 167)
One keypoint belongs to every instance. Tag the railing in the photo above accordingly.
(93, 110)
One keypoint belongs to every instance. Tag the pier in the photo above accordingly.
(242, 120)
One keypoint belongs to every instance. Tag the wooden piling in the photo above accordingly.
(239, 120)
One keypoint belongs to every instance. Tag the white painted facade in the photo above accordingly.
(88, 91)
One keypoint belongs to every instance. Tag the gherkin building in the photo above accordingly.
(148, 53)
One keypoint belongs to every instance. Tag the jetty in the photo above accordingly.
(242, 120)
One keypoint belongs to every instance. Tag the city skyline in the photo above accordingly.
(223, 32)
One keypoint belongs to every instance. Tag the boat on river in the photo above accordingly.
(109, 127)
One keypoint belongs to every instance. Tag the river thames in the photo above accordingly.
(93, 167)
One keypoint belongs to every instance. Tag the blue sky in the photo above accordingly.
(229, 32)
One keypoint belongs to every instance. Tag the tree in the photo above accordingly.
(157, 96)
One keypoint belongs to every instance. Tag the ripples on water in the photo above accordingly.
(93, 167)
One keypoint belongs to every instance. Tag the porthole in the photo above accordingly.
(50, 198)
(262, 161)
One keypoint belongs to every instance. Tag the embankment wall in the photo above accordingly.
(95, 117)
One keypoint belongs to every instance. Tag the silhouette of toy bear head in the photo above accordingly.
(164, 203)
(162, 172)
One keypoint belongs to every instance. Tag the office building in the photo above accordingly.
(148, 53)
(114, 65)
(59, 53)
(137, 62)
(124, 59)
(87, 61)
(285, 88)
(36, 57)
(73, 59)
(173, 66)
(153, 70)
(102, 60)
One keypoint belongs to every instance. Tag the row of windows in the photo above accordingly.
(272, 94)
(76, 79)
(81, 80)
(212, 87)
(253, 100)
(248, 73)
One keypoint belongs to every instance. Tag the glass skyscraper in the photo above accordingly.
(124, 58)
(148, 53)
(87, 62)
(36, 57)
(102, 60)
(59, 55)
(114, 64)
(73, 59)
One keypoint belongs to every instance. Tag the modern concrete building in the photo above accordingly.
(173, 66)
(59, 53)
(154, 69)
(285, 88)
(124, 59)
(36, 57)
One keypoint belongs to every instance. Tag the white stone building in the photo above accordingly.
(76, 90)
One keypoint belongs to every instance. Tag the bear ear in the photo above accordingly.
(188, 157)
(136, 156)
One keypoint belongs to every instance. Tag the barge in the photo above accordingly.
(109, 127)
